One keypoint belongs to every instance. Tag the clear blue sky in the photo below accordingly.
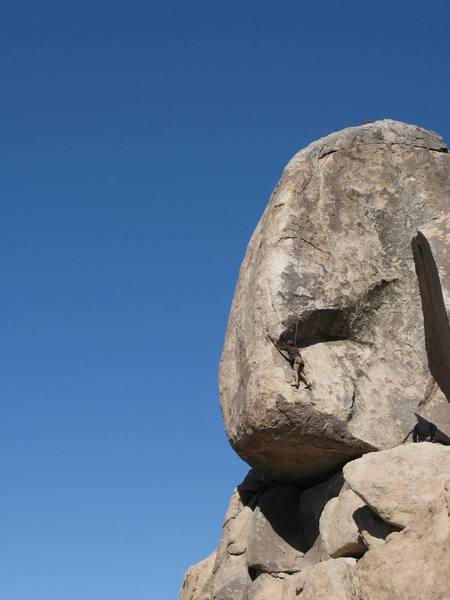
(140, 141)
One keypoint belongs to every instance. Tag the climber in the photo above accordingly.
(424, 431)
(295, 360)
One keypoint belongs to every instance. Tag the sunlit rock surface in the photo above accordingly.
(330, 263)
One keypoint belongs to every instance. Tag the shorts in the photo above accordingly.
(299, 362)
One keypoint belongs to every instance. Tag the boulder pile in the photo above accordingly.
(339, 504)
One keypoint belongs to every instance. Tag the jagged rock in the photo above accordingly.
(329, 580)
(266, 587)
(412, 564)
(331, 260)
(197, 583)
(431, 247)
(275, 541)
(312, 503)
(398, 483)
(338, 529)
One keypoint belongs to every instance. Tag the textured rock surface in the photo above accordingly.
(339, 531)
(372, 529)
(431, 247)
(348, 527)
(197, 583)
(312, 503)
(398, 483)
(412, 564)
(331, 258)
(266, 587)
(231, 580)
(330, 580)
(435, 409)
(275, 541)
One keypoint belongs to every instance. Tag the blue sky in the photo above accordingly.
(140, 142)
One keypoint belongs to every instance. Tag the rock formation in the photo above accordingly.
(330, 265)
(339, 505)
(431, 246)
(277, 561)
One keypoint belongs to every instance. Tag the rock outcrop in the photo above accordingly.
(412, 564)
(339, 504)
(330, 266)
(398, 483)
(431, 247)
(413, 554)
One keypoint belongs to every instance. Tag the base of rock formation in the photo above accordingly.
(379, 530)
(340, 505)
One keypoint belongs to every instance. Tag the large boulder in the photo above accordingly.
(398, 483)
(412, 564)
(431, 247)
(330, 267)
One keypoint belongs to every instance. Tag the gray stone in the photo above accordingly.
(431, 247)
(436, 409)
(329, 580)
(237, 538)
(399, 482)
(231, 581)
(414, 563)
(197, 582)
(266, 587)
(312, 503)
(275, 541)
(348, 526)
(372, 529)
(331, 260)
(235, 531)
(338, 529)
(316, 553)
(254, 483)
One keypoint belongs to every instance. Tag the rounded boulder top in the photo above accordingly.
(330, 268)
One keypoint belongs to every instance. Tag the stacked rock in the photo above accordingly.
(336, 507)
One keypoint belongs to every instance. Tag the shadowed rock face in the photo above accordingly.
(431, 247)
(330, 262)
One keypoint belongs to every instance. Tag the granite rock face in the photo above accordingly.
(330, 266)
(340, 505)
(398, 483)
(431, 247)
(330, 580)
(197, 583)
(338, 528)
(276, 538)
(412, 564)
(408, 563)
